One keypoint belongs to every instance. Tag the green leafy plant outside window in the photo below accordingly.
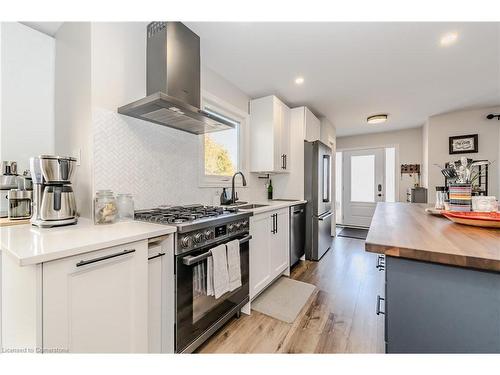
(217, 159)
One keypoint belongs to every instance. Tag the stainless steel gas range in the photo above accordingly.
(200, 228)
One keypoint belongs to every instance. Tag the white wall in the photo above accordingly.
(157, 164)
(27, 118)
(425, 154)
(464, 122)
(73, 127)
(409, 146)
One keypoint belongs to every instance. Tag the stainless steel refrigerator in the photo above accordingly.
(317, 192)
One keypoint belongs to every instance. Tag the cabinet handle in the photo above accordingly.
(85, 262)
(156, 256)
(275, 224)
(380, 263)
(379, 299)
(286, 161)
(282, 161)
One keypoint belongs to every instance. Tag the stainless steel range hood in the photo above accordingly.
(173, 82)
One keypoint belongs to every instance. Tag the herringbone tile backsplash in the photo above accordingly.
(156, 164)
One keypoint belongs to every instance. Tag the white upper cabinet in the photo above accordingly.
(312, 126)
(269, 135)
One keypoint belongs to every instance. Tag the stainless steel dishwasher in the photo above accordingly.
(297, 232)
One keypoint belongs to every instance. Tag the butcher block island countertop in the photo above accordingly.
(405, 230)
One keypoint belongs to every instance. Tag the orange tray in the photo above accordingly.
(478, 219)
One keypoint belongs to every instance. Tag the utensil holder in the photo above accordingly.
(460, 195)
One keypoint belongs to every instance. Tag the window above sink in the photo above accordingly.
(223, 153)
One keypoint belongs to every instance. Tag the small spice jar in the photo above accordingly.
(19, 204)
(105, 207)
(125, 207)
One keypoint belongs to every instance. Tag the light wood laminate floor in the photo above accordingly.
(338, 318)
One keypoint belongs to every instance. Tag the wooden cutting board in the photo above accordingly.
(5, 222)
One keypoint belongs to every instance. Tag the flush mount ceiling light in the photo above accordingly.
(299, 80)
(448, 39)
(376, 119)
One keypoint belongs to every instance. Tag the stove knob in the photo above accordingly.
(208, 234)
(238, 226)
(231, 228)
(245, 224)
(186, 241)
(198, 237)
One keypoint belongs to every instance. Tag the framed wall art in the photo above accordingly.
(464, 144)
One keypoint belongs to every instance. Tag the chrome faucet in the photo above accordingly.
(234, 196)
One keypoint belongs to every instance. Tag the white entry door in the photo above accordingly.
(364, 185)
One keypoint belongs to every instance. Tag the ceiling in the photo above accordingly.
(49, 28)
(354, 70)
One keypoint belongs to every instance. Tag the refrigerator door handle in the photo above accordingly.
(325, 216)
(326, 178)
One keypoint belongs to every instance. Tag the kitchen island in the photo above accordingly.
(442, 291)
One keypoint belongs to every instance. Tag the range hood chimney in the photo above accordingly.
(173, 82)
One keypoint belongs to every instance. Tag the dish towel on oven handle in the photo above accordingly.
(220, 274)
(210, 276)
(233, 264)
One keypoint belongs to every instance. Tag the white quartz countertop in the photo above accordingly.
(31, 245)
(271, 205)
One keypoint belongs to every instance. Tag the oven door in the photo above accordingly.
(196, 312)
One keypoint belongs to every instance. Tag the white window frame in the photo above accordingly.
(224, 108)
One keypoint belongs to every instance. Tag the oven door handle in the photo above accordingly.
(189, 260)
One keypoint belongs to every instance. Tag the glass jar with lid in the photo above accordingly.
(125, 207)
(440, 198)
(105, 207)
(19, 204)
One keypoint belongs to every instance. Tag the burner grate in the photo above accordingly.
(178, 214)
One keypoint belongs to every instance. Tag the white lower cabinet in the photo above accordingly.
(269, 248)
(97, 302)
(161, 315)
(280, 254)
(260, 264)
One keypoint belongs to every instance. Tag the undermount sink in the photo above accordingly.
(250, 206)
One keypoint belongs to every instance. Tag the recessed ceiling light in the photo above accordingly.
(448, 39)
(299, 80)
(376, 119)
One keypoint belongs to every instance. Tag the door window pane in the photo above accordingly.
(338, 186)
(363, 178)
(221, 149)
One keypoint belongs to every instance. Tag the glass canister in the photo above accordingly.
(19, 204)
(105, 207)
(125, 207)
(440, 197)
